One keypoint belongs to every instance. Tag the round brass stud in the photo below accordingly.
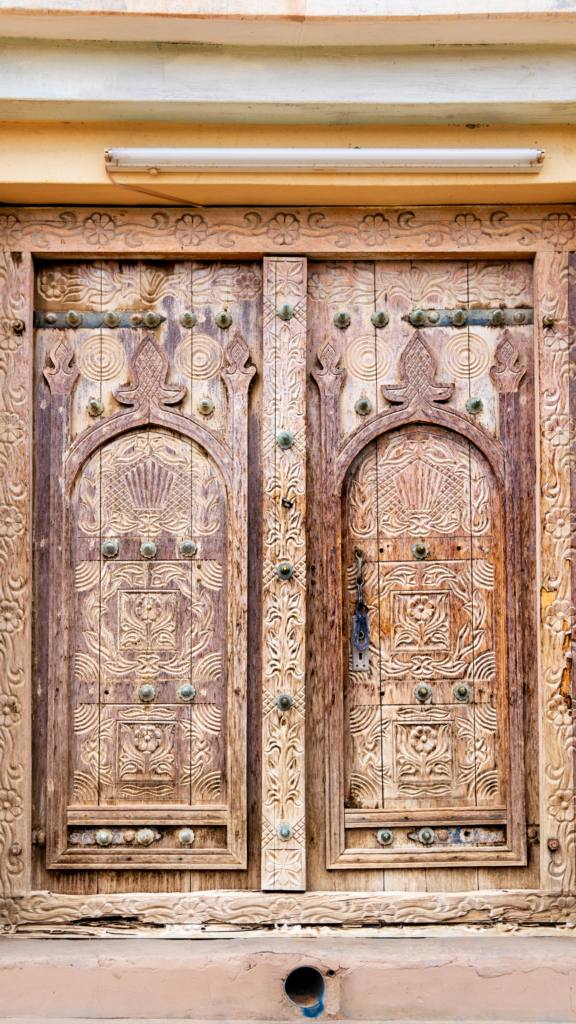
(547, 319)
(284, 571)
(50, 319)
(223, 319)
(129, 836)
(103, 837)
(151, 319)
(111, 319)
(73, 318)
(426, 835)
(417, 317)
(495, 317)
(474, 406)
(135, 320)
(145, 836)
(186, 836)
(422, 692)
(385, 836)
(461, 691)
(110, 548)
(519, 317)
(342, 319)
(147, 693)
(285, 311)
(16, 849)
(284, 832)
(433, 317)
(420, 550)
(187, 692)
(188, 548)
(94, 407)
(285, 439)
(363, 406)
(443, 835)
(553, 845)
(17, 326)
(187, 319)
(380, 318)
(205, 406)
(284, 701)
(458, 317)
(148, 549)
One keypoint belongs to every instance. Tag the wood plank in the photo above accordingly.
(284, 597)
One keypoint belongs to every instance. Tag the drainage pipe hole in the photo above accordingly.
(306, 987)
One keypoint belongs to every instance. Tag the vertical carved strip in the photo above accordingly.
(284, 597)
(15, 596)
(557, 532)
(238, 377)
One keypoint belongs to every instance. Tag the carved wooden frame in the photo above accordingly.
(547, 234)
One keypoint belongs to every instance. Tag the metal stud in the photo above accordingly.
(284, 571)
(519, 317)
(284, 832)
(73, 318)
(135, 320)
(422, 692)
(433, 317)
(385, 836)
(188, 548)
(495, 317)
(458, 317)
(547, 319)
(151, 319)
(103, 837)
(461, 691)
(111, 319)
(147, 693)
(426, 835)
(474, 406)
(148, 549)
(205, 406)
(129, 835)
(284, 701)
(342, 319)
(187, 319)
(187, 692)
(223, 319)
(442, 834)
(417, 317)
(186, 836)
(363, 406)
(285, 311)
(110, 548)
(50, 319)
(145, 836)
(420, 550)
(17, 326)
(380, 318)
(553, 845)
(285, 439)
(94, 407)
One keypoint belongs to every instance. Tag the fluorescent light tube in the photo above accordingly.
(343, 161)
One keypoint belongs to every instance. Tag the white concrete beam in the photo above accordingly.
(295, 22)
(91, 81)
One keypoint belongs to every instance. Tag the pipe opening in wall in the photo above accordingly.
(305, 987)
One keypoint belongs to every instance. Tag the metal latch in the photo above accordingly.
(361, 636)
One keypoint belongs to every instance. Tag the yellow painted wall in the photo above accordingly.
(63, 163)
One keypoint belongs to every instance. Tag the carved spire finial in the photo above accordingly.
(149, 369)
(329, 376)
(61, 375)
(237, 375)
(418, 369)
(508, 377)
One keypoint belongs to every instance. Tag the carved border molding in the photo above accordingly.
(253, 908)
(97, 231)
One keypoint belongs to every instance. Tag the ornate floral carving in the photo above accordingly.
(61, 375)
(417, 370)
(507, 375)
(149, 370)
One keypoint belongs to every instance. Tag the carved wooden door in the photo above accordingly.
(144, 431)
(422, 459)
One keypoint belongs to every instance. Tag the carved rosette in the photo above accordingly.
(15, 595)
(284, 599)
(557, 534)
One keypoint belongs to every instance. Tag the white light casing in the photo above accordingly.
(342, 161)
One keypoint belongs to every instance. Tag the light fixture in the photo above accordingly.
(343, 161)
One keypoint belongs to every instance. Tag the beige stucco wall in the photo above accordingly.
(63, 163)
